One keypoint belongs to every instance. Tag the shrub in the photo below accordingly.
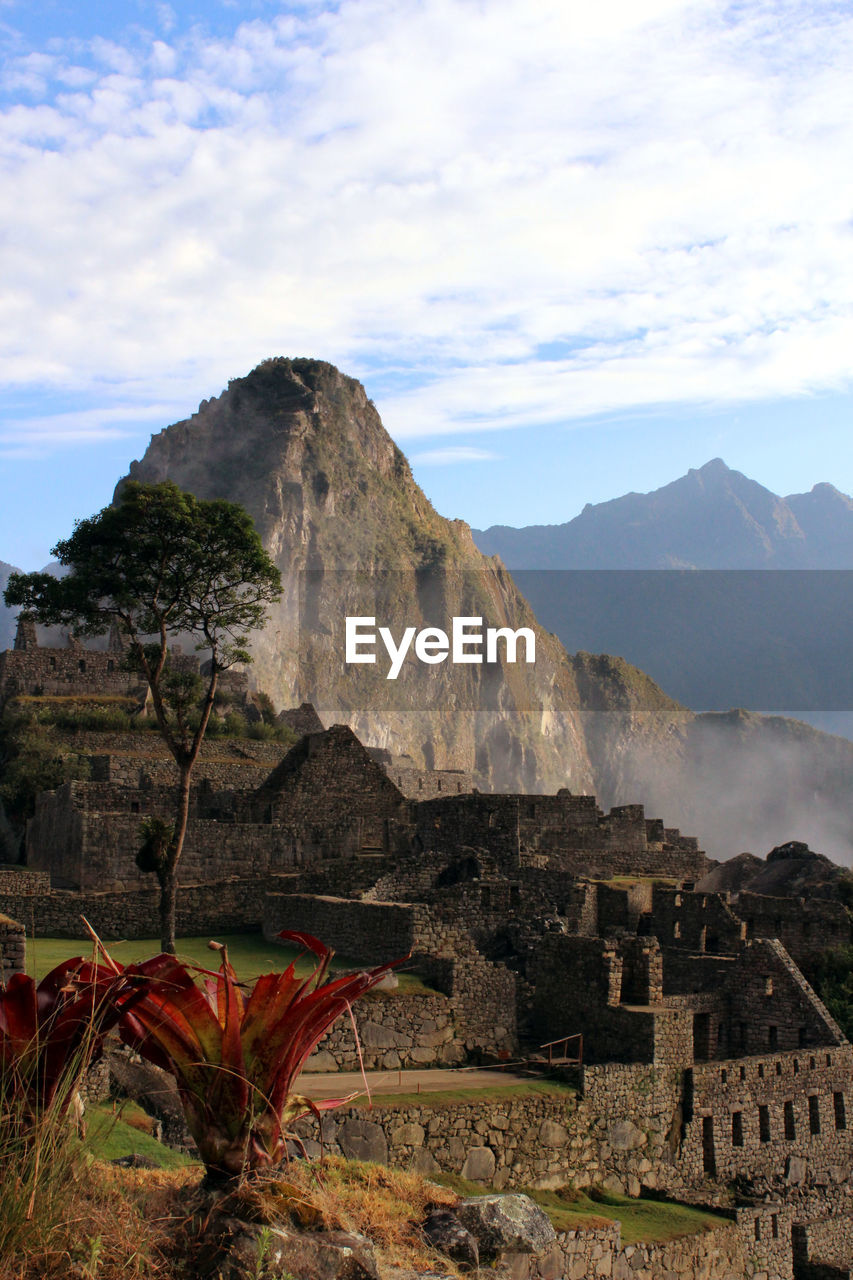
(236, 1057)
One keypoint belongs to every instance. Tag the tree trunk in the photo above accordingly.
(168, 896)
(169, 883)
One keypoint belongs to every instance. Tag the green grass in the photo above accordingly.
(642, 1221)
(445, 1097)
(249, 953)
(109, 1135)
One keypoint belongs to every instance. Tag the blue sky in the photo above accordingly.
(571, 250)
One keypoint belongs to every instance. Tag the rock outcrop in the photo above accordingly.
(303, 449)
(301, 446)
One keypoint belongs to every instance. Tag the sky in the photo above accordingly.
(571, 250)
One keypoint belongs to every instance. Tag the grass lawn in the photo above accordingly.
(444, 1097)
(642, 1221)
(249, 953)
(125, 1132)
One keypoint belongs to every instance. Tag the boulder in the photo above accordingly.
(255, 1250)
(506, 1224)
(363, 1140)
(447, 1235)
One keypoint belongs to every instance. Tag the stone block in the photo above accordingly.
(363, 1140)
(479, 1164)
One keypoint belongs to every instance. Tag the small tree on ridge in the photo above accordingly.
(158, 564)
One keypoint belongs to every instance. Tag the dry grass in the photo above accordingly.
(128, 1224)
(385, 1204)
(116, 1224)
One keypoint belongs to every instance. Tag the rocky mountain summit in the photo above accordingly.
(301, 446)
(711, 518)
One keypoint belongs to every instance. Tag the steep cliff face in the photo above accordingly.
(303, 449)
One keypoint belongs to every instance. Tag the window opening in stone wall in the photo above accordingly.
(724, 1076)
(111, 666)
(840, 1113)
(709, 1160)
(814, 1114)
(790, 1126)
(796, 1067)
(778, 1068)
(764, 1124)
(701, 1036)
(829, 1059)
(742, 1073)
(134, 806)
(53, 664)
(761, 1070)
(774, 1225)
(773, 1038)
(812, 1064)
(758, 1228)
(737, 1128)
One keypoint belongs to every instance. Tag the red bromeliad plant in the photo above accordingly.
(235, 1057)
(51, 1032)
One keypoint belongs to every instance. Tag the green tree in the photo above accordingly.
(160, 564)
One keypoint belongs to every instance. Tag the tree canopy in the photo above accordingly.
(162, 564)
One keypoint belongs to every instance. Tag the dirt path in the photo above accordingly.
(338, 1084)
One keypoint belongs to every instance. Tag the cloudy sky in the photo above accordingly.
(570, 249)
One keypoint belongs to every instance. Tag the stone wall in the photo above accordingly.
(368, 932)
(804, 926)
(566, 832)
(826, 1241)
(81, 836)
(395, 1032)
(784, 1117)
(58, 672)
(226, 906)
(482, 995)
(21, 880)
(578, 985)
(728, 1252)
(13, 948)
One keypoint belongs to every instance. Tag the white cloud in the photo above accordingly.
(451, 455)
(536, 210)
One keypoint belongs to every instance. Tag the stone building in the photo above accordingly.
(708, 1060)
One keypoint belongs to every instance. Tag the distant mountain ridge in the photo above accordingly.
(711, 518)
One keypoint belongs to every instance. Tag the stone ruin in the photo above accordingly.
(708, 1060)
